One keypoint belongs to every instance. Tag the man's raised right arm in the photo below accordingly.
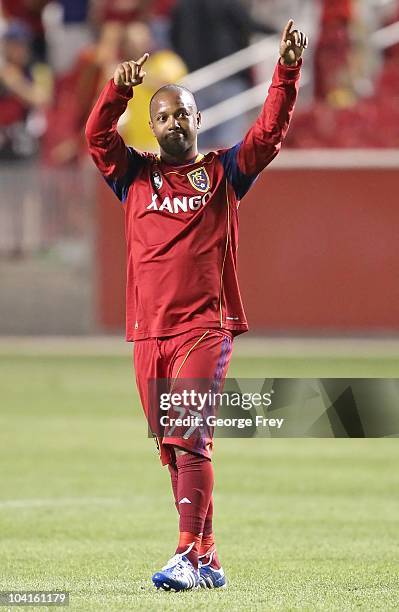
(117, 163)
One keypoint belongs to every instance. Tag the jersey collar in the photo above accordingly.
(195, 160)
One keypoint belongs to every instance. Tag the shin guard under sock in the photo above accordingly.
(194, 491)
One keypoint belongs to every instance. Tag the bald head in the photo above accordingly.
(175, 91)
(175, 120)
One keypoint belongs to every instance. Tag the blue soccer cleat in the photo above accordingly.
(178, 574)
(211, 578)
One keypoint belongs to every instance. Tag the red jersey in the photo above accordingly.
(182, 220)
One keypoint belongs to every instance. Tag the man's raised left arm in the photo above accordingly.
(262, 142)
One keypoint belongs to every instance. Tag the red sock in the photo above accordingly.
(208, 527)
(207, 550)
(191, 542)
(173, 478)
(194, 488)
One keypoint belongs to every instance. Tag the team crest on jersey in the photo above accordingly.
(157, 179)
(199, 179)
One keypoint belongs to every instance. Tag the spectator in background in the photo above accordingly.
(333, 79)
(276, 12)
(204, 31)
(163, 66)
(29, 13)
(68, 32)
(121, 11)
(24, 88)
(307, 15)
(160, 23)
(76, 93)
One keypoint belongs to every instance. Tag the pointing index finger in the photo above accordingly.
(142, 59)
(287, 29)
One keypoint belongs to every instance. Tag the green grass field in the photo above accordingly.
(302, 524)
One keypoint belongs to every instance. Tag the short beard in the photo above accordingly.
(176, 148)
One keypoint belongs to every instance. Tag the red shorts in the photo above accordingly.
(197, 355)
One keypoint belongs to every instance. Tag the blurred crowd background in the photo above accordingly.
(55, 56)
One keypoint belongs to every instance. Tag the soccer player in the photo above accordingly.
(183, 305)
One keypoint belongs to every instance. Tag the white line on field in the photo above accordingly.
(250, 346)
(59, 501)
(299, 348)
